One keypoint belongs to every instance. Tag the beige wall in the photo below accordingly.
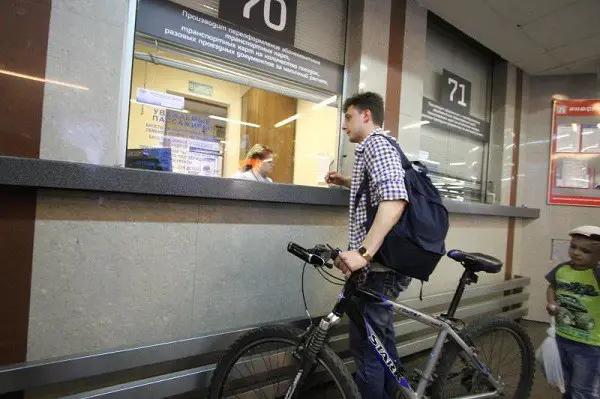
(316, 142)
(533, 252)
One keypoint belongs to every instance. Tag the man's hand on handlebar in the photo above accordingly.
(349, 262)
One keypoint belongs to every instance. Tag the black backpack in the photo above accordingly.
(415, 244)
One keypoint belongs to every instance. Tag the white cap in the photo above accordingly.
(588, 231)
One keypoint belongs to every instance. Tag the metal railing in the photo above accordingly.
(507, 298)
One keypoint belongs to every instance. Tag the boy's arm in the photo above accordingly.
(552, 306)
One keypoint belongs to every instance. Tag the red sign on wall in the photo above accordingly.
(575, 153)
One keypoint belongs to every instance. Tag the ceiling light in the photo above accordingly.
(183, 111)
(474, 149)
(220, 118)
(458, 163)
(325, 102)
(287, 120)
(42, 80)
(575, 127)
(210, 8)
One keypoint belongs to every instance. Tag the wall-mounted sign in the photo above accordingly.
(200, 88)
(160, 99)
(453, 111)
(456, 93)
(171, 22)
(273, 18)
(575, 153)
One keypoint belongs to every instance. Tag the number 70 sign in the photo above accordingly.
(273, 18)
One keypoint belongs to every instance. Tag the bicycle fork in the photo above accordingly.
(310, 353)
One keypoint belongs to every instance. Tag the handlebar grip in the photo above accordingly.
(298, 251)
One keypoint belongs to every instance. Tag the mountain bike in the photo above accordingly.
(277, 361)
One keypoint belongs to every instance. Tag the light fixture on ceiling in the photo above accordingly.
(575, 127)
(474, 149)
(210, 8)
(325, 102)
(220, 118)
(43, 80)
(183, 111)
(458, 163)
(287, 120)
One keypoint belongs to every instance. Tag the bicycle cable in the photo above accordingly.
(304, 299)
(332, 276)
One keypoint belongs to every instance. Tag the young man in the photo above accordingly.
(574, 298)
(362, 123)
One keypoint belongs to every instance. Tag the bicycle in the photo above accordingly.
(313, 370)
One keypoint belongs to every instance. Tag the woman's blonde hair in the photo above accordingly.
(255, 155)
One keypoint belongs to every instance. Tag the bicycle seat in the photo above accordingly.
(476, 262)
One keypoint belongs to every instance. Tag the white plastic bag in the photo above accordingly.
(548, 358)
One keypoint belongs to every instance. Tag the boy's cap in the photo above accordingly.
(588, 231)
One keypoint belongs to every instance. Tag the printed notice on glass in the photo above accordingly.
(590, 138)
(567, 138)
(572, 173)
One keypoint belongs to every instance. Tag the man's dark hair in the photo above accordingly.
(367, 101)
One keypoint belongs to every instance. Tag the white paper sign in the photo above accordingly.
(567, 138)
(160, 99)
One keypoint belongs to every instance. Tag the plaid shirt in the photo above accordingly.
(386, 178)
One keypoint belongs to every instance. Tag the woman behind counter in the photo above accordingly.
(258, 164)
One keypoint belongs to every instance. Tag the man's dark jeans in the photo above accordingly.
(373, 381)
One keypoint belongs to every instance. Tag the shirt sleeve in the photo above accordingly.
(551, 275)
(384, 167)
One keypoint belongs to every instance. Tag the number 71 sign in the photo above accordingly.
(456, 92)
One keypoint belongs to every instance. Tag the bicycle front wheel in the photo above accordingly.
(263, 363)
(503, 346)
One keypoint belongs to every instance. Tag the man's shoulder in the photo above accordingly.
(378, 141)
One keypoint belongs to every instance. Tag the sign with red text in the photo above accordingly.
(574, 177)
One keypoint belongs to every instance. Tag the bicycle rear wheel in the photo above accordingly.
(503, 346)
(263, 363)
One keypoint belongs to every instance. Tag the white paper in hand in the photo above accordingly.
(548, 358)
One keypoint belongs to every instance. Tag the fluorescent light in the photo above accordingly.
(474, 163)
(183, 111)
(325, 102)
(431, 162)
(588, 132)
(287, 120)
(210, 8)
(509, 146)
(589, 147)
(562, 136)
(458, 163)
(42, 80)
(474, 149)
(415, 125)
(220, 118)
(575, 127)
(598, 125)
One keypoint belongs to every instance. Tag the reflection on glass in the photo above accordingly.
(188, 122)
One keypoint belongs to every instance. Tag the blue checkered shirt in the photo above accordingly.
(386, 178)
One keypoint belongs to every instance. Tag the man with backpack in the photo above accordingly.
(377, 160)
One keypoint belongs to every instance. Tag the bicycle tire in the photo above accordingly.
(478, 329)
(326, 358)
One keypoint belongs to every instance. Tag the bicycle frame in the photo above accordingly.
(446, 331)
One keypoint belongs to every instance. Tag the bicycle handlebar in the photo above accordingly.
(319, 255)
